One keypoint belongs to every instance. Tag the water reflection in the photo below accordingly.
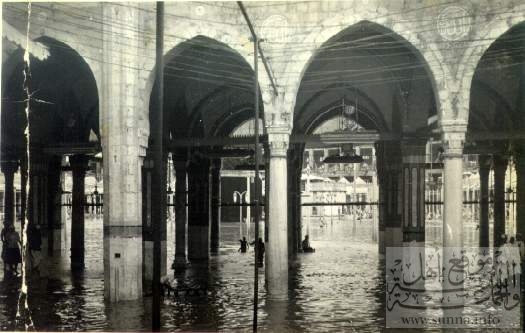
(339, 287)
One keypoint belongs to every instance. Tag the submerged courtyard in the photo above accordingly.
(370, 153)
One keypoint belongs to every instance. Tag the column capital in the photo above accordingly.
(453, 135)
(179, 155)
(148, 163)
(278, 112)
(278, 142)
(518, 152)
(500, 162)
(453, 126)
(484, 164)
(9, 167)
(413, 150)
(78, 162)
(181, 165)
(198, 162)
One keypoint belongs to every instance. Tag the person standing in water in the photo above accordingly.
(306, 245)
(13, 254)
(260, 252)
(244, 245)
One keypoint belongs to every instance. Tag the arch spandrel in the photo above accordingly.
(212, 91)
(488, 33)
(65, 104)
(428, 52)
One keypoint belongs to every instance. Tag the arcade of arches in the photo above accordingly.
(425, 105)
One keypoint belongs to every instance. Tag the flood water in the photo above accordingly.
(339, 288)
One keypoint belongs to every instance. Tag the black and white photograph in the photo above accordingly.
(272, 166)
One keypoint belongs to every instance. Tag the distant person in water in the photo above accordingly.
(5, 232)
(306, 245)
(244, 245)
(13, 255)
(260, 251)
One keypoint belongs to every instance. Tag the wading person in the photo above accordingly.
(260, 252)
(13, 255)
(306, 245)
(244, 245)
(3, 237)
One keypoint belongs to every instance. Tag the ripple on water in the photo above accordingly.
(338, 288)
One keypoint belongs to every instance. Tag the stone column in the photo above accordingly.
(453, 135)
(452, 186)
(63, 209)
(181, 213)
(413, 205)
(78, 168)
(294, 201)
(247, 199)
(198, 209)
(9, 169)
(500, 168)
(298, 230)
(38, 204)
(484, 170)
(54, 208)
(519, 160)
(389, 167)
(266, 191)
(124, 133)
(413, 213)
(151, 193)
(37, 213)
(381, 196)
(24, 178)
(277, 244)
(373, 209)
(215, 192)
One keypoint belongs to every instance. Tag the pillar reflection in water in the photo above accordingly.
(277, 315)
(181, 212)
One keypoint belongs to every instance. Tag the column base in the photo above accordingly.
(198, 243)
(413, 237)
(393, 237)
(122, 268)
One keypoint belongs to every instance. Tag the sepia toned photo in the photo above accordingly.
(273, 166)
